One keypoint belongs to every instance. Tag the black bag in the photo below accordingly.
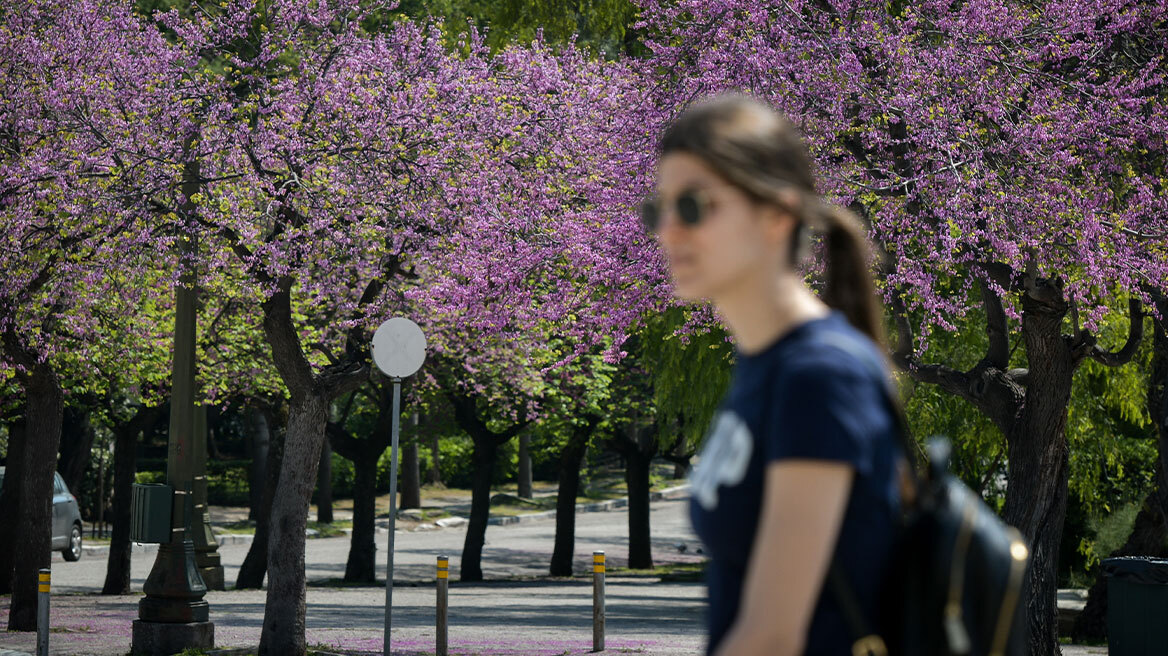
(957, 581)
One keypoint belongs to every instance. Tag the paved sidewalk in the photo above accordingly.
(528, 618)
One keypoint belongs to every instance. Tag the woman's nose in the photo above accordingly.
(669, 230)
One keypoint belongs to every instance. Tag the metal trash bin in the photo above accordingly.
(150, 510)
(1137, 605)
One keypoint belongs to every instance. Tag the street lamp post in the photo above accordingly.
(173, 615)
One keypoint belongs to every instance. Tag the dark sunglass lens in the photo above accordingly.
(650, 216)
(689, 210)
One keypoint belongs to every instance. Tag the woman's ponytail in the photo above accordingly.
(848, 281)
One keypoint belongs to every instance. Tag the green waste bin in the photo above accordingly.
(150, 510)
(1137, 606)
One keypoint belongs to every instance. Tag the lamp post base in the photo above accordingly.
(165, 638)
(213, 577)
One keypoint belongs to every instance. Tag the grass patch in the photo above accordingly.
(329, 530)
(248, 527)
(671, 573)
(513, 511)
(417, 514)
(244, 527)
(431, 514)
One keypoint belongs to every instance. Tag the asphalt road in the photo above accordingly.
(511, 613)
(511, 551)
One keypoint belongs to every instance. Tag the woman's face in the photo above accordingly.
(736, 241)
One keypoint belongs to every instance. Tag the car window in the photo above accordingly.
(58, 484)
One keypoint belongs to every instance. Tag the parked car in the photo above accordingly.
(66, 519)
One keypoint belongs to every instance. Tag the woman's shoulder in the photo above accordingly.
(830, 348)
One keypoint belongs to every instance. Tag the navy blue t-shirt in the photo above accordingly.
(803, 397)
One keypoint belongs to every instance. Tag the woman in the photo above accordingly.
(802, 463)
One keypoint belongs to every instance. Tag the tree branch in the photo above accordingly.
(287, 353)
(904, 333)
(1134, 336)
(467, 416)
(998, 353)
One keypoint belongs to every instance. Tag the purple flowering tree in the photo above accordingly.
(72, 226)
(1006, 154)
(345, 177)
(326, 178)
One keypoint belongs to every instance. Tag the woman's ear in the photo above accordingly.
(779, 218)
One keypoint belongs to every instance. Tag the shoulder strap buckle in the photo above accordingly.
(871, 645)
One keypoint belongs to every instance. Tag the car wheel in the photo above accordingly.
(72, 553)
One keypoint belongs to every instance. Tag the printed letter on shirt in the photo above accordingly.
(724, 459)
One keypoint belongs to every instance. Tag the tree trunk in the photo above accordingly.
(45, 403)
(637, 480)
(117, 571)
(324, 485)
(1158, 397)
(363, 453)
(566, 493)
(214, 419)
(260, 436)
(76, 449)
(283, 630)
(411, 478)
(255, 564)
(681, 464)
(1036, 499)
(361, 567)
(524, 491)
(485, 450)
(10, 502)
(435, 475)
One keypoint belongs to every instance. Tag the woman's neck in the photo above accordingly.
(759, 314)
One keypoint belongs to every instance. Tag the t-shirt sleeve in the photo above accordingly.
(824, 410)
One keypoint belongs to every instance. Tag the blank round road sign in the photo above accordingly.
(399, 347)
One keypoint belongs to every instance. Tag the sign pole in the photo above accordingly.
(392, 511)
(399, 350)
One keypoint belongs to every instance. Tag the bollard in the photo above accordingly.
(43, 612)
(440, 619)
(597, 601)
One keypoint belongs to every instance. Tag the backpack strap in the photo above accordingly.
(866, 642)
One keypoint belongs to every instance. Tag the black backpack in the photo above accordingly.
(957, 581)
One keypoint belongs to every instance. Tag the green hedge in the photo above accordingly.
(227, 480)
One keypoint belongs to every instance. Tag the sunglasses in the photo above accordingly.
(689, 206)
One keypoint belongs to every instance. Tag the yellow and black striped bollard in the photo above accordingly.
(43, 588)
(443, 589)
(598, 601)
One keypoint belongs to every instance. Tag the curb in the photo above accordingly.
(679, 492)
(149, 547)
(9, 652)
